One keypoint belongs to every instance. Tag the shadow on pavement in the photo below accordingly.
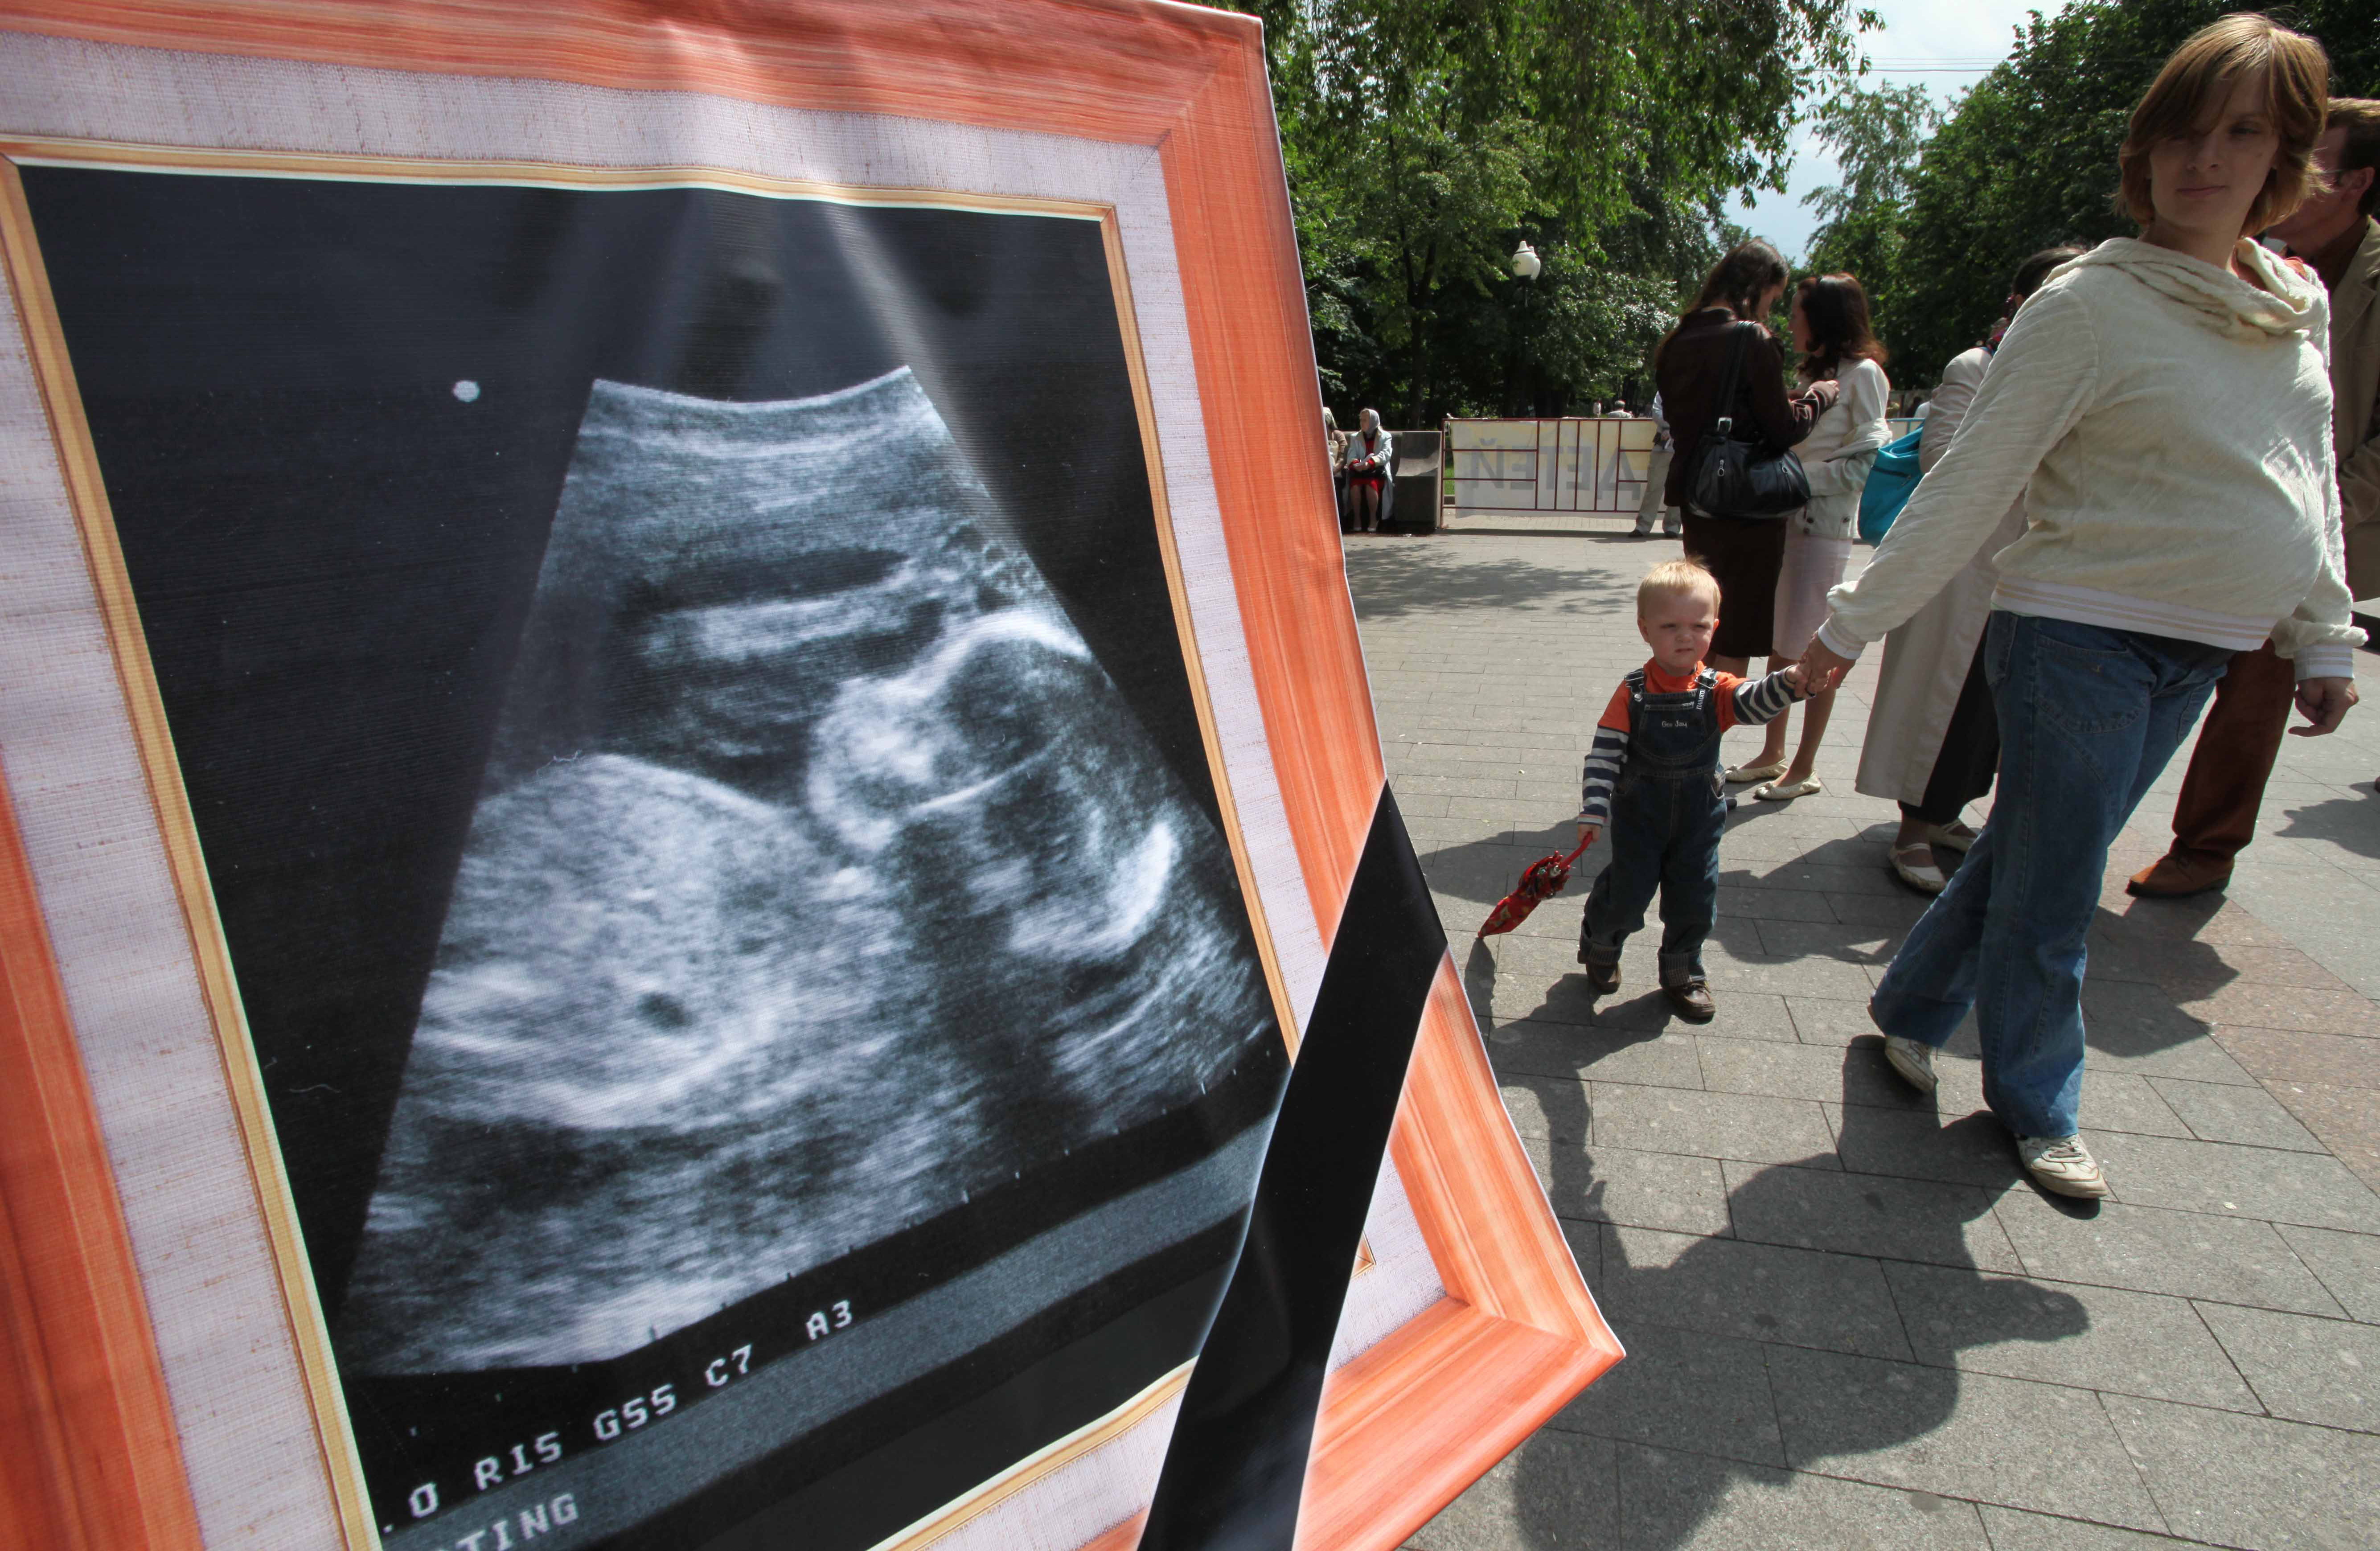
(1670, 1392)
(1399, 579)
(2350, 822)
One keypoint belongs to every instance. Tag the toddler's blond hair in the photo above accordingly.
(1672, 577)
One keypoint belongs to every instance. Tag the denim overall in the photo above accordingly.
(1666, 810)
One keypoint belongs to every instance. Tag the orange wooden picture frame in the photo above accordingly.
(88, 1452)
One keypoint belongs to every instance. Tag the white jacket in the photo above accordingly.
(2168, 425)
(1840, 450)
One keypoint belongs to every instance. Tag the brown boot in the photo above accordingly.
(1693, 1000)
(1605, 979)
(2178, 874)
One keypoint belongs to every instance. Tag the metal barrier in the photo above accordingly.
(1577, 465)
(1580, 463)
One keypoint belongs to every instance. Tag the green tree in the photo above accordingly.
(2027, 157)
(1877, 137)
(1424, 139)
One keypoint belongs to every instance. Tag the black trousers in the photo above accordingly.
(1970, 756)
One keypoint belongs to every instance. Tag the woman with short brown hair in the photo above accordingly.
(2162, 404)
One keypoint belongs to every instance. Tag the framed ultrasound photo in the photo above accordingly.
(684, 752)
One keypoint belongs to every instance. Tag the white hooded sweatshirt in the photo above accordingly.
(2167, 426)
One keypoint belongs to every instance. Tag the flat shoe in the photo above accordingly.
(1926, 879)
(1785, 791)
(1742, 774)
(1693, 1002)
(1951, 837)
(2173, 877)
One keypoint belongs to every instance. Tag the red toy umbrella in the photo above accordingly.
(1541, 882)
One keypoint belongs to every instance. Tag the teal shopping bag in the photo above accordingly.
(1888, 487)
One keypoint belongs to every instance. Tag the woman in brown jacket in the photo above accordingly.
(1691, 365)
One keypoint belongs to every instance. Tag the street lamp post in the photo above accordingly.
(1527, 266)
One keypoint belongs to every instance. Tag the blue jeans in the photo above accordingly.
(1664, 834)
(2088, 716)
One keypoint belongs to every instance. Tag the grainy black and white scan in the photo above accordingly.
(679, 695)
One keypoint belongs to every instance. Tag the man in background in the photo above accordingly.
(2336, 235)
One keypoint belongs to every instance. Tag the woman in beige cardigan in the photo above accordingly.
(1932, 742)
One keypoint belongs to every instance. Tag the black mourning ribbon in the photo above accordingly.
(1235, 1469)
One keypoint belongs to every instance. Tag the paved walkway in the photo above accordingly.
(1850, 1321)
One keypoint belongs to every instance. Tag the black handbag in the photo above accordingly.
(1740, 479)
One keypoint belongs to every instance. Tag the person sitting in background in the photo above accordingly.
(2162, 408)
(1368, 461)
(1933, 744)
(2215, 816)
(1831, 329)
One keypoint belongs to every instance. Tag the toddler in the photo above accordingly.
(1653, 780)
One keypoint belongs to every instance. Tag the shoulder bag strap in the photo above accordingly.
(1732, 382)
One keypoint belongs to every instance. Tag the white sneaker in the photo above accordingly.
(1913, 1059)
(2062, 1165)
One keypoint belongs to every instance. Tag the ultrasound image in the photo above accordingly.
(821, 879)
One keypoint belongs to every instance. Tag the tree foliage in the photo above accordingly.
(2025, 159)
(1426, 138)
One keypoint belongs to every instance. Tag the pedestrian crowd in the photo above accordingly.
(2157, 482)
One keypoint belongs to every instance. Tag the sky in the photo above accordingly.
(1946, 45)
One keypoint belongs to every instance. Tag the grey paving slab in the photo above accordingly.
(1831, 1020)
(2148, 1250)
(2311, 1189)
(1558, 1489)
(2279, 1055)
(1675, 1500)
(2132, 1343)
(2252, 1482)
(2240, 964)
(1742, 1014)
(2314, 1011)
(1620, 1055)
(1739, 902)
(2306, 1370)
(1744, 1126)
(1553, 1108)
(1829, 878)
(1856, 1074)
(1864, 1214)
(1683, 1389)
(1755, 1292)
(1997, 1440)
(1585, 1242)
(2014, 1530)
(2137, 1028)
(1847, 942)
(1642, 1189)
(2347, 1264)
(1972, 1148)
(2123, 1101)
(2226, 1112)
(2345, 1120)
